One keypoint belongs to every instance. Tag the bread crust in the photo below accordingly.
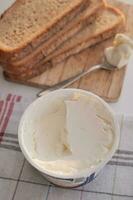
(86, 43)
(48, 47)
(8, 55)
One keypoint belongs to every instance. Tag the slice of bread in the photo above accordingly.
(29, 23)
(93, 34)
(29, 73)
(83, 20)
(110, 22)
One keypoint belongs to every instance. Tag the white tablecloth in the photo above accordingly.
(19, 181)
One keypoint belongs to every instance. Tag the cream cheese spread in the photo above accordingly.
(119, 54)
(74, 135)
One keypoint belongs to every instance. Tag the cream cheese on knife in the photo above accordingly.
(119, 54)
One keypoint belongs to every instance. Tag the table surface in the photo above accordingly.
(18, 180)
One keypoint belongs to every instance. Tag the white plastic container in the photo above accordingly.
(26, 146)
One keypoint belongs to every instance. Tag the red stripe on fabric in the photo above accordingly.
(7, 118)
(1, 105)
(19, 98)
(8, 98)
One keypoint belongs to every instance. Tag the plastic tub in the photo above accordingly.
(25, 139)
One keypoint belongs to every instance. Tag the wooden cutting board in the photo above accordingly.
(106, 84)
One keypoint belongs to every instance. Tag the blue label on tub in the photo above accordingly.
(89, 179)
(71, 182)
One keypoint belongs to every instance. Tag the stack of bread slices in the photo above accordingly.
(37, 34)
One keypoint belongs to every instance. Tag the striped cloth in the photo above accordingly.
(19, 181)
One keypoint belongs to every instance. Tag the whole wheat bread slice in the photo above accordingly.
(89, 36)
(52, 44)
(113, 24)
(29, 23)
